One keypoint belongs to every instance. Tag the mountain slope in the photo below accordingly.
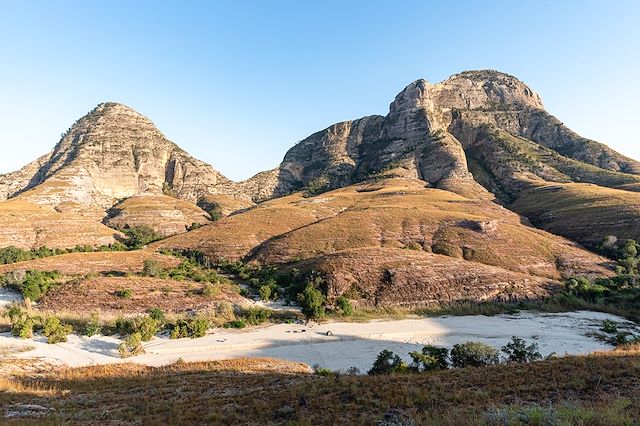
(391, 241)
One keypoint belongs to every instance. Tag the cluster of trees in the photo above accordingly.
(618, 293)
(33, 285)
(470, 354)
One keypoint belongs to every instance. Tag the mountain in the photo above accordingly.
(481, 134)
(109, 155)
(466, 190)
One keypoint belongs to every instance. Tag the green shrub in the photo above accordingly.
(23, 328)
(265, 293)
(235, 324)
(56, 331)
(34, 285)
(473, 354)
(429, 358)
(139, 236)
(215, 215)
(157, 314)
(345, 306)
(386, 363)
(210, 290)
(125, 293)
(194, 327)
(92, 327)
(518, 351)
(151, 268)
(583, 288)
(256, 316)
(131, 346)
(147, 327)
(316, 186)
(609, 326)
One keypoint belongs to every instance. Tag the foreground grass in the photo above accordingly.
(601, 389)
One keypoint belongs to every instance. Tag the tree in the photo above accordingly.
(518, 351)
(139, 236)
(386, 363)
(473, 354)
(312, 302)
(430, 358)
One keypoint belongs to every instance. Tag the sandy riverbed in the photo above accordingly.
(350, 344)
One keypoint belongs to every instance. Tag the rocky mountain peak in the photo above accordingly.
(111, 153)
(469, 90)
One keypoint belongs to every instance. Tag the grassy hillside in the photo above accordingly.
(396, 233)
(600, 389)
(583, 212)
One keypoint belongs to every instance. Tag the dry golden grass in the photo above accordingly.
(96, 262)
(392, 213)
(596, 390)
(583, 212)
(166, 215)
(100, 295)
(25, 224)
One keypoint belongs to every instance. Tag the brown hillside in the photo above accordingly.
(366, 233)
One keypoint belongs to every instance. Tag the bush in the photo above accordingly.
(473, 354)
(131, 346)
(147, 327)
(583, 288)
(609, 326)
(386, 363)
(265, 293)
(316, 186)
(194, 327)
(345, 306)
(235, 324)
(430, 358)
(256, 316)
(125, 293)
(312, 302)
(35, 284)
(210, 290)
(157, 314)
(139, 236)
(23, 328)
(92, 327)
(56, 331)
(151, 268)
(518, 351)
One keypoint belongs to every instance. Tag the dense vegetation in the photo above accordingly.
(469, 354)
(619, 294)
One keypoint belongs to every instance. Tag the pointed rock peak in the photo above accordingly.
(415, 95)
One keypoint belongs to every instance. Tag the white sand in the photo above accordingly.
(351, 344)
(8, 296)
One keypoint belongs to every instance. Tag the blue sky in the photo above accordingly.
(237, 83)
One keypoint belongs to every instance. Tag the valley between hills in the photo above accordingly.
(465, 244)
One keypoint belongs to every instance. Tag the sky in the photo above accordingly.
(237, 83)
